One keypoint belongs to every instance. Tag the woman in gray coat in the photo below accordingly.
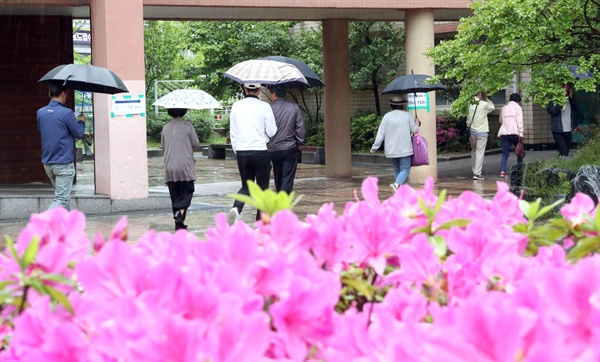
(177, 141)
(395, 131)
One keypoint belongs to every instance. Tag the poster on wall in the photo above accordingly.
(128, 105)
(418, 101)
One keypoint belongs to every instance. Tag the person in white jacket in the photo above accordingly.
(251, 124)
(396, 129)
(479, 126)
(511, 129)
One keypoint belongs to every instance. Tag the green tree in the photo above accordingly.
(165, 48)
(376, 52)
(308, 47)
(503, 37)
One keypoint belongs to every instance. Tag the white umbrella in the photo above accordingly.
(188, 98)
(265, 71)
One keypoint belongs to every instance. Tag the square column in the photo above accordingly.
(419, 38)
(336, 74)
(121, 158)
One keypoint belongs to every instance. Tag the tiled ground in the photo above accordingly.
(218, 178)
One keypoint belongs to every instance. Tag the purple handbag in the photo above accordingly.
(420, 156)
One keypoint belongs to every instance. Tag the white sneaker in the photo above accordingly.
(394, 187)
(233, 216)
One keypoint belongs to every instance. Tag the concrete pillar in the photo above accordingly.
(121, 160)
(419, 38)
(336, 74)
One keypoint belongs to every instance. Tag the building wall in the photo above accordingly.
(31, 46)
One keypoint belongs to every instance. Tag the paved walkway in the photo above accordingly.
(218, 178)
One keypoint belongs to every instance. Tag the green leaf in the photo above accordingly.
(585, 247)
(359, 285)
(31, 252)
(533, 210)
(439, 245)
(59, 278)
(440, 202)
(267, 200)
(5, 283)
(452, 223)
(11, 246)
(36, 284)
(549, 208)
(426, 210)
(59, 297)
(524, 206)
(243, 198)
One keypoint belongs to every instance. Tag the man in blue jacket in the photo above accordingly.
(59, 128)
(563, 121)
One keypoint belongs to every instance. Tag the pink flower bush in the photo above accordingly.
(412, 277)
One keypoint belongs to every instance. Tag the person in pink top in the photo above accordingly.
(511, 129)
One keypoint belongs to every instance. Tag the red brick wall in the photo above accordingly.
(30, 47)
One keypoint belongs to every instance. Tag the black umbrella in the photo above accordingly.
(575, 71)
(85, 77)
(412, 83)
(309, 74)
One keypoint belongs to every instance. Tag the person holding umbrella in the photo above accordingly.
(395, 131)
(177, 140)
(251, 125)
(59, 128)
(479, 127)
(284, 146)
(563, 119)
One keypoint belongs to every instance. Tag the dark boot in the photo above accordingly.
(180, 225)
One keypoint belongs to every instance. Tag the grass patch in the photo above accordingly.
(152, 144)
(216, 139)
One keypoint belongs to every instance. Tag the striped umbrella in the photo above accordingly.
(265, 72)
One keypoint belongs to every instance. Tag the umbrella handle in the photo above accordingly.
(415, 100)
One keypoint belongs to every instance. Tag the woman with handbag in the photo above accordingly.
(395, 131)
(511, 130)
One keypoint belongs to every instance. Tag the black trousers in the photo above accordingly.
(285, 163)
(563, 142)
(255, 166)
(181, 193)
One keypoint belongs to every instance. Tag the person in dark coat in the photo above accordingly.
(284, 146)
(563, 119)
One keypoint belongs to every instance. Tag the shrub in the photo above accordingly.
(315, 134)
(463, 279)
(448, 133)
(200, 119)
(363, 131)
(315, 130)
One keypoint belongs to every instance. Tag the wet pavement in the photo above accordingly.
(218, 178)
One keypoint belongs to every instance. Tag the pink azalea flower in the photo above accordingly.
(114, 272)
(57, 226)
(303, 315)
(403, 303)
(286, 231)
(327, 241)
(350, 340)
(42, 335)
(419, 264)
(493, 325)
(580, 208)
